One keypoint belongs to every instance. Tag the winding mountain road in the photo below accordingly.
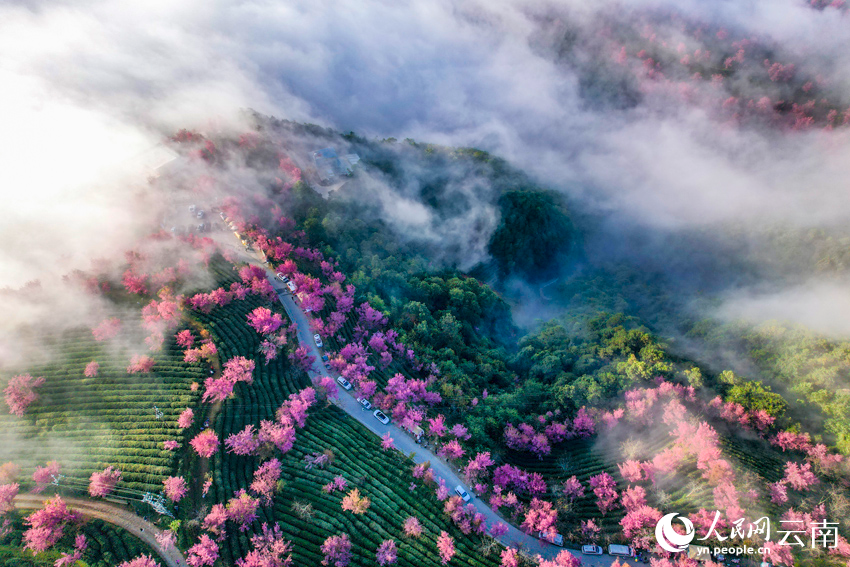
(402, 440)
(112, 514)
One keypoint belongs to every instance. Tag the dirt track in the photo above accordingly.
(112, 514)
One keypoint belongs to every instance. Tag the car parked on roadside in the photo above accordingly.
(281, 277)
(343, 382)
(379, 415)
(318, 340)
(292, 287)
(462, 493)
(365, 403)
(552, 537)
(591, 549)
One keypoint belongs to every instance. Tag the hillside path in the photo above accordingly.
(113, 514)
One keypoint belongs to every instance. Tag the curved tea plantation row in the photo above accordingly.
(87, 424)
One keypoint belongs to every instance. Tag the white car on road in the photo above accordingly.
(463, 493)
(281, 277)
(292, 287)
(343, 382)
(591, 549)
(379, 415)
(364, 402)
(318, 340)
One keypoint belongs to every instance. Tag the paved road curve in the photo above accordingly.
(402, 440)
(112, 514)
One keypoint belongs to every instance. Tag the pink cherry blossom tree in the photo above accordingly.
(103, 483)
(140, 363)
(540, 517)
(603, 486)
(451, 450)
(187, 416)
(242, 509)
(205, 443)
(107, 329)
(91, 369)
(19, 393)
(799, 477)
(175, 488)
(477, 466)
(387, 442)
(445, 547)
(778, 492)
(271, 549)
(353, 502)
(203, 553)
(47, 525)
(8, 492)
(45, 475)
(386, 553)
(215, 520)
(185, 339)
(337, 551)
(140, 561)
(265, 480)
(264, 321)
(572, 488)
(412, 527)
(563, 559)
(166, 539)
(510, 557)
(69, 559)
(280, 435)
(243, 443)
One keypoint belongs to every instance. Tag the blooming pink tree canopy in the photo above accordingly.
(412, 527)
(45, 475)
(166, 539)
(47, 525)
(140, 561)
(203, 553)
(355, 503)
(205, 443)
(140, 363)
(7, 496)
(187, 416)
(270, 549)
(103, 483)
(563, 559)
(445, 547)
(265, 480)
(386, 553)
(19, 393)
(540, 517)
(603, 487)
(264, 321)
(387, 442)
(799, 477)
(337, 550)
(510, 557)
(91, 369)
(185, 339)
(69, 559)
(175, 488)
(243, 443)
(242, 509)
(107, 329)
